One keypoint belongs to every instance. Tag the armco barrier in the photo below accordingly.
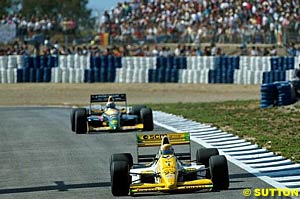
(191, 69)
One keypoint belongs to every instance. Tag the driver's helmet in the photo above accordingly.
(167, 149)
(110, 102)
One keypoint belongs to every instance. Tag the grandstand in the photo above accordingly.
(179, 41)
(141, 27)
(195, 21)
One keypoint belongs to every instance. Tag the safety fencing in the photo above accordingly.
(190, 69)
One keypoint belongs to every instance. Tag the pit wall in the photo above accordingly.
(204, 69)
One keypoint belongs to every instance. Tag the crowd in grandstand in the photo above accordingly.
(136, 26)
(26, 27)
(221, 21)
(55, 48)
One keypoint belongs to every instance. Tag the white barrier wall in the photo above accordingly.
(135, 69)
(200, 63)
(251, 70)
(8, 68)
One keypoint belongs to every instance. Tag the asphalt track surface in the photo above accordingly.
(41, 158)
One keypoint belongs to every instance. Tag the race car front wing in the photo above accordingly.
(193, 185)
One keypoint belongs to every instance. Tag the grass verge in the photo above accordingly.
(276, 129)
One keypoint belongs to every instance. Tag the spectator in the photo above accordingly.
(273, 51)
(202, 21)
(253, 51)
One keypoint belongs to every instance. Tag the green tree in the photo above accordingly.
(5, 6)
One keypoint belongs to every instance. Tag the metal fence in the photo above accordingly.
(281, 37)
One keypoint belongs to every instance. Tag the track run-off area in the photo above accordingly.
(41, 157)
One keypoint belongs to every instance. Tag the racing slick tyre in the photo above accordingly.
(72, 117)
(122, 157)
(147, 119)
(80, 121)
(120, 180)
(203, 155)
(136, 111)
(219, 172)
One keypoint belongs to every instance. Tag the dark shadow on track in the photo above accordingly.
(60, 186)
(241, 175)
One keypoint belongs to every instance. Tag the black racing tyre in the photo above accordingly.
(72, 117)
(137, 108)
(219, 172)
(203, 155)
(80, 121)
(120, 179)
(136, 111)
(122, 157)
(147, 119)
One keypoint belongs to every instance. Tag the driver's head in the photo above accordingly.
(167, 149)
(110, 102)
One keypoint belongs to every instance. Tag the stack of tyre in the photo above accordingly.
(268, 95)
(102, 69)
(223, 71)
(284, 93)
(278, 93)
(36, 68)
(167, 69)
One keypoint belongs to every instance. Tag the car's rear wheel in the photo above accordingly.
(136, 111)
(203, 155)
(219, 172)
(147, 119)
(120, 179)
(72, 117)
(80, 121)
(137, 108)
(122, 157)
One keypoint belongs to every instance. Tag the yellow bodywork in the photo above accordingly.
(112, 111)
(107, 128)
(168, 180)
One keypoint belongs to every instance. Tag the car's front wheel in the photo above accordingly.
(147, 119)
(80, 121)
(219, 172)
(72, 116)
(120, 179)
(122, 157)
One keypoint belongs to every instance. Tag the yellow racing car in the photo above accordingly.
(167, 171)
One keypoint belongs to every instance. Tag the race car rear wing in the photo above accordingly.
(152, 140)
(104, 97)
(148, 140)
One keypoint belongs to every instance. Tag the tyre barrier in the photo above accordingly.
(225, 63)
(168, 75)
(220, 76)
(204, 69)
(200, 63)
(171, 62)
(255, 63)
(282, 63)
(269, 95)
(33, 75)
(99, 75)
(284, 93)
(273, 76)
(276, 94)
